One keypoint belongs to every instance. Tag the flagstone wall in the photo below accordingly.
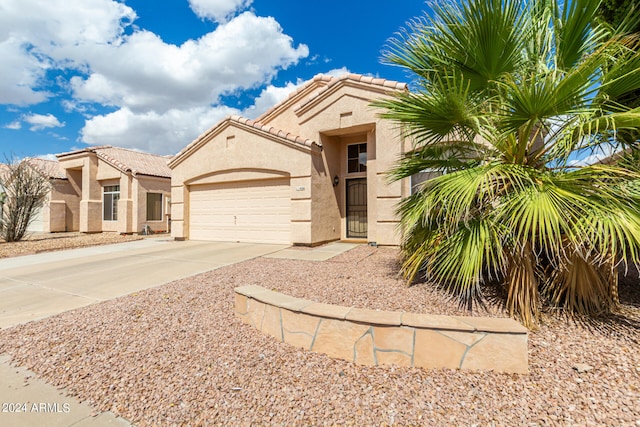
(372, 337)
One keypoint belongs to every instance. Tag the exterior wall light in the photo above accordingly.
(336, 181)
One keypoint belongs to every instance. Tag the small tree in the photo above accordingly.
(24, 190)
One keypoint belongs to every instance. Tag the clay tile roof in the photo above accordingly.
(273, 131)
(136, 162)
(125, 160)
(50, 168)
(390, 84)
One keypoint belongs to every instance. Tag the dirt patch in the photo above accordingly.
(176, 355)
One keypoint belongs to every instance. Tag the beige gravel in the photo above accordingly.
(39, 242)
(176, 355)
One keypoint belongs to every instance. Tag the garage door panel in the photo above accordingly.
(251, 211)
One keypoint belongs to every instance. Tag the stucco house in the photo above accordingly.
(310, 170)
(45, 220)
(53, 217)
(113, 189)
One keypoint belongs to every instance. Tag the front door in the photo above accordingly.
(357, 208)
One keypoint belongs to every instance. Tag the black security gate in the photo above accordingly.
(357, 208)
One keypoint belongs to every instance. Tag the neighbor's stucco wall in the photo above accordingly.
(83, 196)
(62, 209)
(149, 184)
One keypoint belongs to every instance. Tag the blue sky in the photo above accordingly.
(133, 74)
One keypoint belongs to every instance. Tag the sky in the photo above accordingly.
(153, 75)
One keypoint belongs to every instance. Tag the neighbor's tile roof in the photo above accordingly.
(50, 168)
(136, 162)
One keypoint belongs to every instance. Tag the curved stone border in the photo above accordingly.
(373, 337)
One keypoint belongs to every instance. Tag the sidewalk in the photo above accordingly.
(28, 401)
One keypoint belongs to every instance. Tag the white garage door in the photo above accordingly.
(249, 211)
(37, 223)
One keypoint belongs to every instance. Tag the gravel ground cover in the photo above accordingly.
(176, 355)
(48, 242)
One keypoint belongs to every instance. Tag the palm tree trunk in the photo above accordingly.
(523, 298)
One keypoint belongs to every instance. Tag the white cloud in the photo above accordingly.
(14, 125)
(37, 35)
(269, 96)
(165, 133)
(20, 73)
(164, 95)
(337, 72)
(169, 132)
(41, 121)
(218, 10)
(47, 157)
(144, 73)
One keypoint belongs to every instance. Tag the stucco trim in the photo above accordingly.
(235, 175)
(298, 95)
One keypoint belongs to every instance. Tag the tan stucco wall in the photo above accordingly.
(345, 116)
(237, 153)
(61, 212)
(149, 184)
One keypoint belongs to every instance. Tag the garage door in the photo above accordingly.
(248, 211)
(37, 222)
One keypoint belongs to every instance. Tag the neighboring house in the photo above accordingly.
(312, 169)
(53, 216)
(47, 218)
(114, 189)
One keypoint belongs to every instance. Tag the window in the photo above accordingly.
(111, 194)
(357, 158)
(154, 206)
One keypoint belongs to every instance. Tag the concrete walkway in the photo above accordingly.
(319, 253)
(37, 286)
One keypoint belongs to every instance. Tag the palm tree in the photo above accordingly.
(509, 96)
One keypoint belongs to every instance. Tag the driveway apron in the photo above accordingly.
(37, 286)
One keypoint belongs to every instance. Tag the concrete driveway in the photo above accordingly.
(37, 286)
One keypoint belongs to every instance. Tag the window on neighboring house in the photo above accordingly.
(154, 206)
(357, 158)
(110, 197)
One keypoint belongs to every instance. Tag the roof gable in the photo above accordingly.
(321, 85)
(374, 85)
(302, 92)
(247, 124)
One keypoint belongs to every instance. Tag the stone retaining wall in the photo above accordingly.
(373, 337)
